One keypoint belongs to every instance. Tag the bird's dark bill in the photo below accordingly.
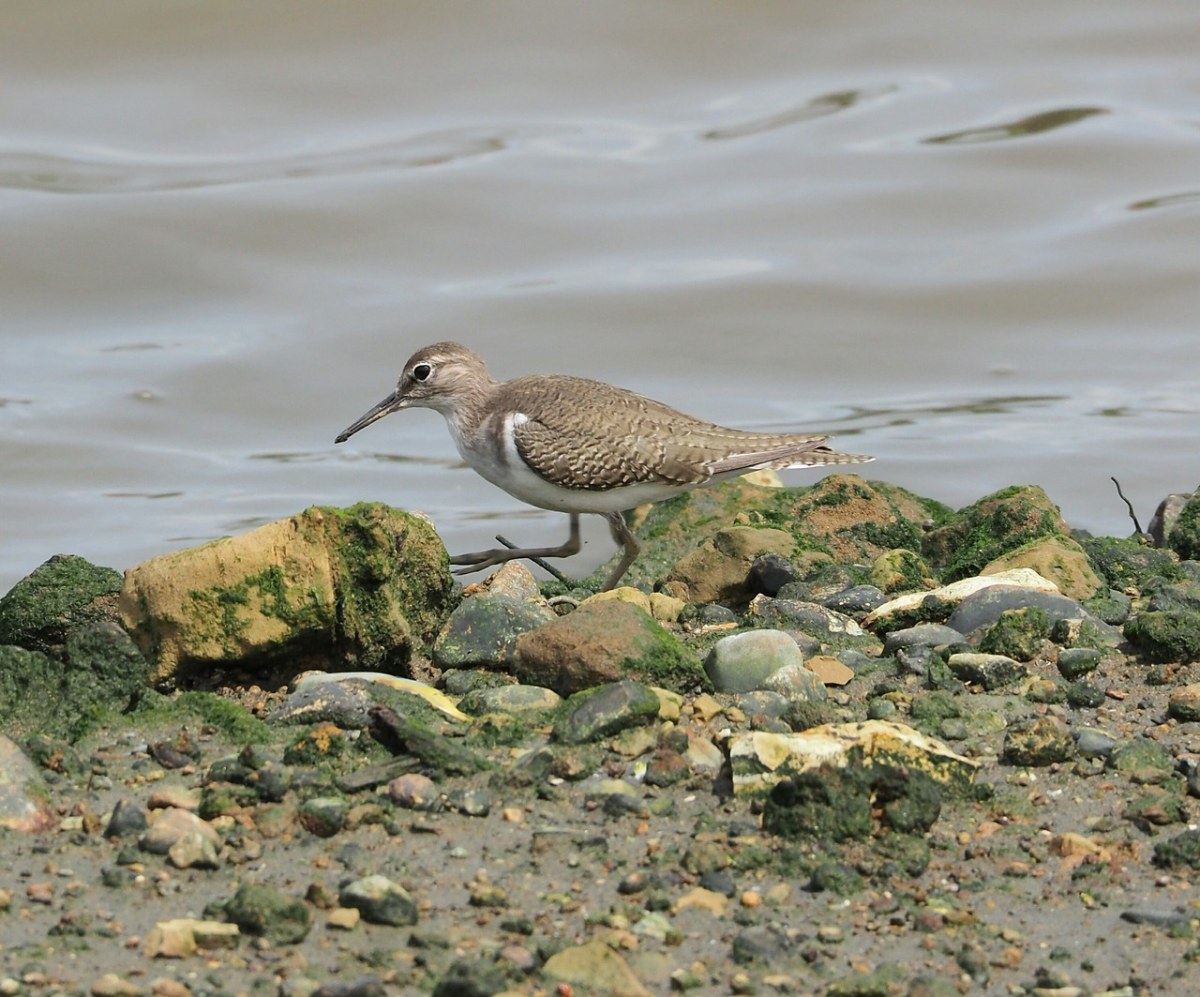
(385, 407)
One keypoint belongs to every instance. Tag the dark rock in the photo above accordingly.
(127, 818)
(770, 572)
(761, 944)
(833, 629)
(323, 816)
(482, 632)
(762, 702)
(471, 978)
(401, 735)
(709, 614)
(59, 596)
(606, 711)
(346, 704)
(719, 881)
(856, 600)
(380, 901)
(916, 659)
(470, 802)
(983, 608)
(1075, 662)
(1084, 695)
(922, 635)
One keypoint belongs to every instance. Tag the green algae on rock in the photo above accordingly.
(103, 674)
(361, 587)
(1169, 635)
(59, 596)
(996, 525)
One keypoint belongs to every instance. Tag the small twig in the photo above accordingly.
(1129, 505)
(538, 561)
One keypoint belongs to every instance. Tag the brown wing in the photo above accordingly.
(588, 434)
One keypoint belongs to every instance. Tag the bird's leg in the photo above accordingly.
(622, 535)
(481, 559)
(541, 563)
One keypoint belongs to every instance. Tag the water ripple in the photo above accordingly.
(110, 172)
(817, 107)
(1033, 124)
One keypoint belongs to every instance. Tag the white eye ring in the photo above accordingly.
(422, 371)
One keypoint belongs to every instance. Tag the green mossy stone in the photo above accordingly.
(990, 528)
(1169, 635)
(59, 596)
(1128, 563)
(267, 912)
(103, 675)
(1184, 538)
(1017, 634)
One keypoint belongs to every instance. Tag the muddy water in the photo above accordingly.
(961, 237)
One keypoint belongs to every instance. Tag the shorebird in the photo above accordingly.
(574, 445)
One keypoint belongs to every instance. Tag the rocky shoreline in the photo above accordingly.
(838, 740)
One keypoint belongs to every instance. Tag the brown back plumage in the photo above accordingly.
(592, 435)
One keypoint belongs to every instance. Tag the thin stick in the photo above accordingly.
(539, 562)
(1129, 505)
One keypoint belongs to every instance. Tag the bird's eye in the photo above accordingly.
(422, 371)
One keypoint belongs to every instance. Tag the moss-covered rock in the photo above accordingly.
(268, 912)
(1042, 742)
(1129, 563)
(842, 516)
(901, 570)
(1184, 537)
(359, 587)
(1171, 635)
(59, 596)
(994, 526)
(610, 709)
(1019, 633)
(102, 674)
